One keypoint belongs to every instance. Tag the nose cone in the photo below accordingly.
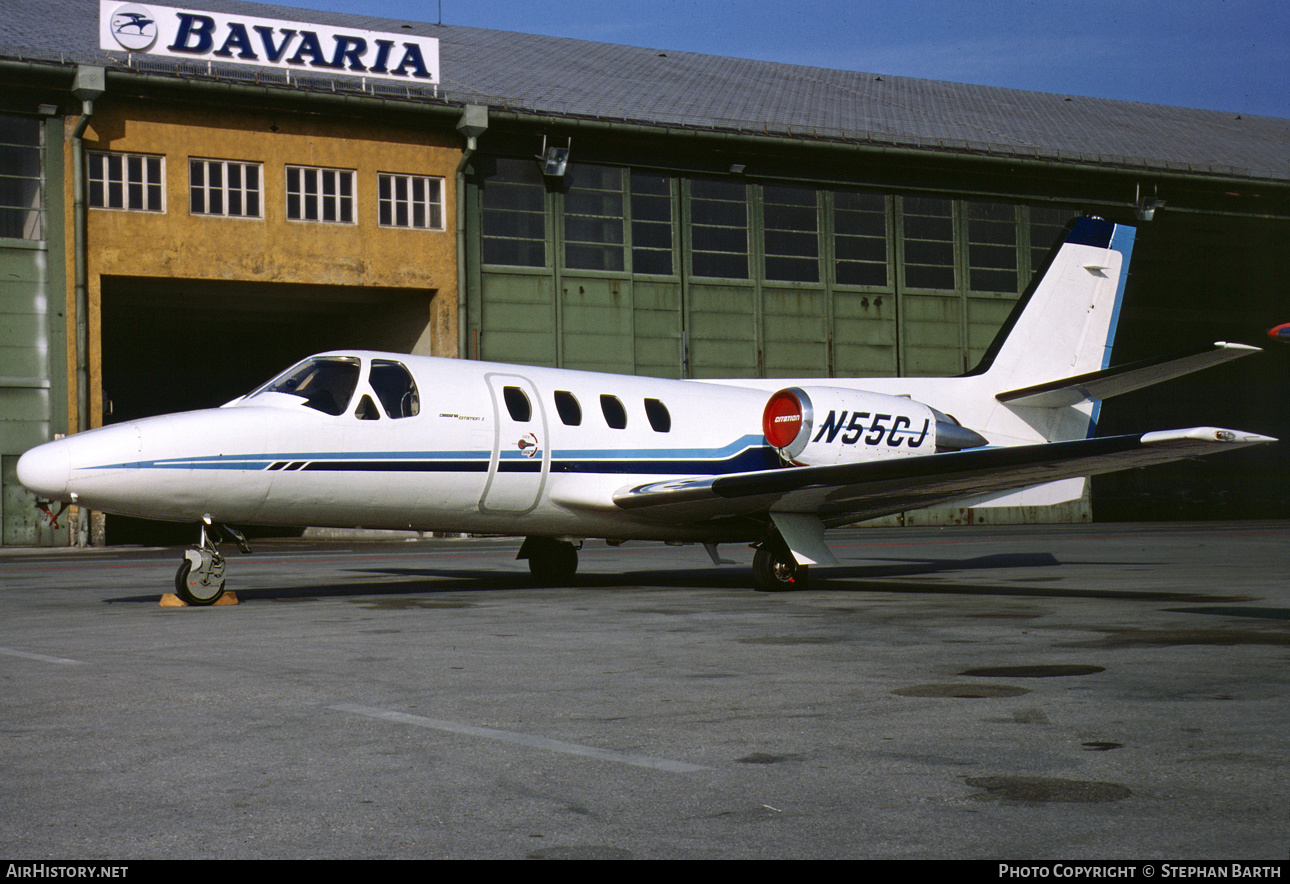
(44, 470)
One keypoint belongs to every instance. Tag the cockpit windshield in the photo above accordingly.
(326, 383)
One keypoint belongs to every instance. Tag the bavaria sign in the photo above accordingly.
(242, 39)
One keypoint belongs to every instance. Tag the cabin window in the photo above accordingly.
(569, 409)
(393, 385)
(658, 415)
(326, 384)
(615, 414)
(517, 404)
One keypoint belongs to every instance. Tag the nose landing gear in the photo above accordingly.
(200, 578)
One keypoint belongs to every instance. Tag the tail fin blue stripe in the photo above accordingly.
(1121, 240)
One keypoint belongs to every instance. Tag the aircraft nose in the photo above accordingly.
(45, 469)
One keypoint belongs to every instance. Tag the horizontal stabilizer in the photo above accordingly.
(1097, 385)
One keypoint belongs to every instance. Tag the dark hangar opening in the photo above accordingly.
(180, 344)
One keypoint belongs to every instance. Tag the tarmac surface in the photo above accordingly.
(1046, 692)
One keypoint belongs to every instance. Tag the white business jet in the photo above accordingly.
(383, 440)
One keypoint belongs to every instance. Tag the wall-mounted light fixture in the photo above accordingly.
(1145, 206)
(554, 160)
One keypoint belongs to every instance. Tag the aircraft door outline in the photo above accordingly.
(521, 457)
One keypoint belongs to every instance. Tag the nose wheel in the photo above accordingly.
(200, 578)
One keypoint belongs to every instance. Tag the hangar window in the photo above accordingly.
(651, 224)
(792, 233)
(593, 218)
(569, 409)
(1046, 225)
(514, 213)
(128, 181)
(719, 228)
(860, 238)
(658, 415)
(410, 201)
(320, 195)
(219, 187)
(393, 385)
(615, 414)
(21, 179)
(992, 247)
(928, 229)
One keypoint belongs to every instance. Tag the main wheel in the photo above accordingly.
(552, 562)
(775, 569)
(203, 587)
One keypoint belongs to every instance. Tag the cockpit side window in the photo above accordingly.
(394, 386)
(366, 410)
(326, 383)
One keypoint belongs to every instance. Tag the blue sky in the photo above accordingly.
(1230, 55)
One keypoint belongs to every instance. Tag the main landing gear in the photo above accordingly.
(551, 562)
(200, 578)
(775, 569)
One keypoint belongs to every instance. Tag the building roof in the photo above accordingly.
(581, 79)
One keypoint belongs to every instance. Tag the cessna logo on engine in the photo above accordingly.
(896, 434)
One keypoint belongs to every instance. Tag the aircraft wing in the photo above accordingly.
(842, 493)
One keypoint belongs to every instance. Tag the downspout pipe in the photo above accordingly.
(89, 84)
(473, 123)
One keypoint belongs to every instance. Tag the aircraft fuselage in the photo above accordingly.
(492, 448)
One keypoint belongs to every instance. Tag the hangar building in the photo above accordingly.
(181, 219)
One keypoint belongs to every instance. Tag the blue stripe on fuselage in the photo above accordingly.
(743, 455)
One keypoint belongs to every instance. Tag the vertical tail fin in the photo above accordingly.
(1064, 324)
(1062, 327)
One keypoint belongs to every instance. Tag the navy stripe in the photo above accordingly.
(1091, 232)
(397, 466)
(748, 461)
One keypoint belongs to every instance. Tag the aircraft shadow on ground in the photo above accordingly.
(875, 576)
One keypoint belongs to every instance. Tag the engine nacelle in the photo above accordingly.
(818, 426)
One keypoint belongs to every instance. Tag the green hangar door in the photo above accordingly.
(642, 272)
